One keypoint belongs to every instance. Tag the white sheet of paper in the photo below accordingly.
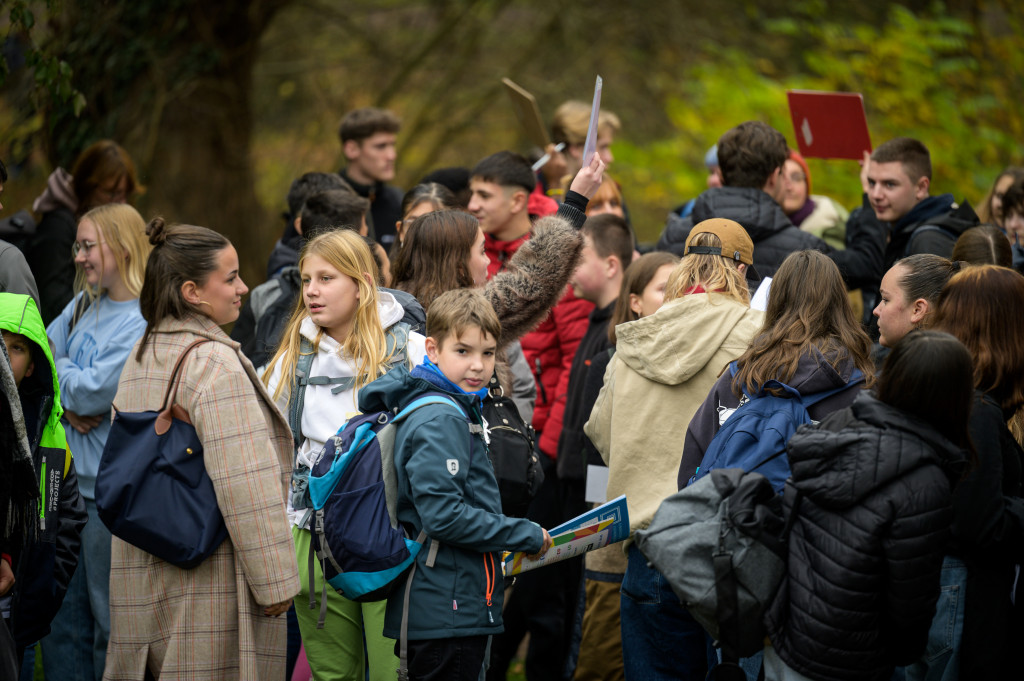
(591, 144)
(597, 484)
(760, 299)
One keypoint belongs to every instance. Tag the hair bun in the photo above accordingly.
(156, 230)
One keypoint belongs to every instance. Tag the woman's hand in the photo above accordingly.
(548, 543)
(589, 179)
(83, 424)
(277, 609)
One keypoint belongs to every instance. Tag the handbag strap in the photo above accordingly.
(163, 421)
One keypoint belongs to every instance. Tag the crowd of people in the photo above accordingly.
(900, 319)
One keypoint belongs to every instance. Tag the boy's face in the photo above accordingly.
(591, 275)
(20, 350)
(468, 360)
(374, 157)
(491, 204)
(892, 192)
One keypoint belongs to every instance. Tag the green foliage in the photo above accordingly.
(930, 76)
(52, 76)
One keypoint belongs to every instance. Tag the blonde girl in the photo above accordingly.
(92, 339)
(352, 331)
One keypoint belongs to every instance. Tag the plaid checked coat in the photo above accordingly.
(208, 622)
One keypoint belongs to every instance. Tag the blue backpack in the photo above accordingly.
(362, 549)
(754, 437)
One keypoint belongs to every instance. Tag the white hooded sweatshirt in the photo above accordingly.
(322, 411)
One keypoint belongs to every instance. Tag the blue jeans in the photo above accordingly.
(941, 659)
(660, 639)
(76, 648)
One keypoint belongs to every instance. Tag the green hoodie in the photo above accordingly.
(19, 314)
(43, 567)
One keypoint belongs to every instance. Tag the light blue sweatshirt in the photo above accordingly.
(89, 364)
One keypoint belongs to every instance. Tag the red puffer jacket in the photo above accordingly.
(549, 349)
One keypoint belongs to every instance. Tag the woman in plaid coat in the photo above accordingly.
(222, 619)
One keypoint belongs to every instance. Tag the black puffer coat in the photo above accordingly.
(867, 546)
(774, 236)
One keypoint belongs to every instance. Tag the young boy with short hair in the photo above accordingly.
(446, 488)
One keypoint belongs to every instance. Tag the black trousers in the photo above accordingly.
(446, 659)
(540, 600)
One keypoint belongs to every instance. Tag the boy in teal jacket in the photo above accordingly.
(446, 487)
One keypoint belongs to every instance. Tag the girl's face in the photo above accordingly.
(97, 260)
(220, 298)
(421, 208)
(897, 316)
(478, 260)
(1002, 184)
(653, 295)
(794, 187)
(331, 298)
(610, 205)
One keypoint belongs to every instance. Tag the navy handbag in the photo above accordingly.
(152, 489)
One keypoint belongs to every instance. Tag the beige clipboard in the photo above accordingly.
(525, 106)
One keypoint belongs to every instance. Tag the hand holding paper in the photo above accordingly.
(548, 543)
(589, 178)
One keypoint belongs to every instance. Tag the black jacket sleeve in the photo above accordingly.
(988, 516)
(49, 257)
(46, 566)
(705, 425)
(863, 262)
(72, 521)
(573, 209)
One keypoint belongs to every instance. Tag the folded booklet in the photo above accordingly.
(595, 529)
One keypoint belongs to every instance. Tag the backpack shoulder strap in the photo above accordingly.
(437, 398)
(297, 396)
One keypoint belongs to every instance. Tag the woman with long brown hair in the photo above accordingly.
(978, 624)
(810, 341)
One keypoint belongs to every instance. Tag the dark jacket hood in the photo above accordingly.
(926, 209)
(815, 373)
(759, 213)
(285, 254)
(774, 236)
(873, 445)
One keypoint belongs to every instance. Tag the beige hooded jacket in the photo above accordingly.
(663, 368)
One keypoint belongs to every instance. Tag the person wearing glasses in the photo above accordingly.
(92, 339)
(103, 173)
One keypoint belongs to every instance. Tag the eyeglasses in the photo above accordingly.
(86, 246)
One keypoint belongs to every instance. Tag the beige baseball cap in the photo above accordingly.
(736, 243)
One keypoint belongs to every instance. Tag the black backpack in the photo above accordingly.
(512, 450)
(18, 229)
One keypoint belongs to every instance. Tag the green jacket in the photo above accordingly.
(43, 568)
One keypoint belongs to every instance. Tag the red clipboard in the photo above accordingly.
(829, 124)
